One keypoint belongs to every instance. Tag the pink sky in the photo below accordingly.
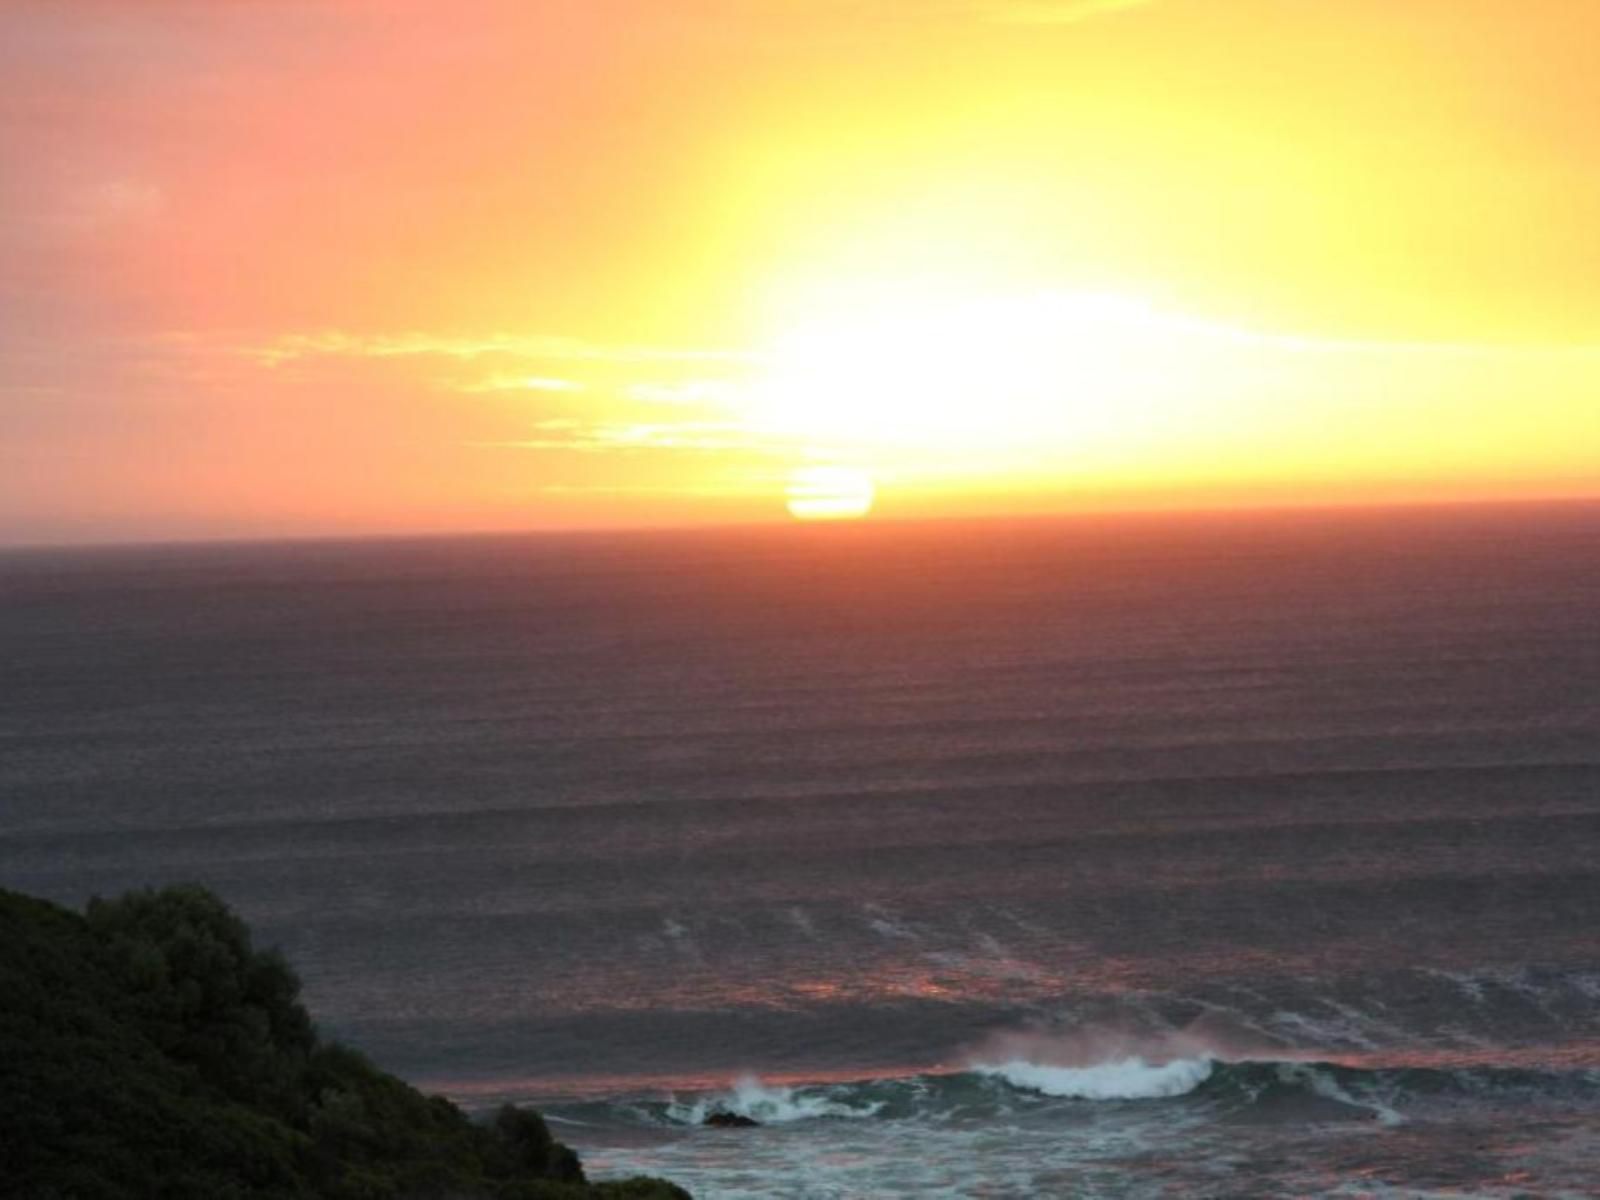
(608, 186)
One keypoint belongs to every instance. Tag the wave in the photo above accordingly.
(1255, 1090)
(1125, 1079)
(774, 1105)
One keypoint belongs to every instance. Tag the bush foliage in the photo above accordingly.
(147, 1049)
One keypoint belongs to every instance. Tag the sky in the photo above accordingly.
(291, 267)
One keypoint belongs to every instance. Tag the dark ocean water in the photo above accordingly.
(1207, 856)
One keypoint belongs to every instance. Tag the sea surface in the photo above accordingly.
(1224, 855)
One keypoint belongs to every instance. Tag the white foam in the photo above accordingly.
(992, 946)
(1471, 985)
(749, 1097)
(1327, 1087)
(801, 920)
(1587, 985)
(1321, 1032)
(1122, 1079)
(886, 925)
(1360, 1019)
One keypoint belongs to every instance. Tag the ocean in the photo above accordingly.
(1211, 855)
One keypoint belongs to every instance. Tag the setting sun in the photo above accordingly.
(897, 368)
(830, 494)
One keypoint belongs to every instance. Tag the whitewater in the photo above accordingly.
(1218, 855)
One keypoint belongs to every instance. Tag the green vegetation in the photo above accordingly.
(148, 1050)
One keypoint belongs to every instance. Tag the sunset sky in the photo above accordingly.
(276, 267)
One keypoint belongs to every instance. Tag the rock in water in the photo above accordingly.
(728, 1120)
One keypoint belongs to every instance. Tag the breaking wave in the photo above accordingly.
(1282, 1090)
(774, 1105)
(1126, 1079)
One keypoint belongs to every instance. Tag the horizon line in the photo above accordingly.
(1034, 516)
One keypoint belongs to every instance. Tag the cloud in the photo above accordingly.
(565, 394)
(739, 489)
(1050, 12)
(293, 347)
(654, 427)
(997, 12)
(609, 437)
(112, 202)
(689, 393)
(521, 383)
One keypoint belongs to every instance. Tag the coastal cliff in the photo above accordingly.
(147, 1048)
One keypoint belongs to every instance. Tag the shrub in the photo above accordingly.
(148, 1049)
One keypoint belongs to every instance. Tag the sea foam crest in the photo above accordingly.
(772, 1105)
(1323, 1083)
(1123, 1079)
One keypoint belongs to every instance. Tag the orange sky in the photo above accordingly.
(278, 267)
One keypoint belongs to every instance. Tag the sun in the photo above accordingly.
(954, 389)
(897, 368)
(830, 494)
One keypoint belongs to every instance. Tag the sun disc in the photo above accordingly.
(829, 494)
(895, 370)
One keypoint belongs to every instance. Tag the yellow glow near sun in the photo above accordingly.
(903, 369)
(950, 390)
(830, 494)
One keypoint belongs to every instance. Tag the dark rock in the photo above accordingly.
(728, 1120)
